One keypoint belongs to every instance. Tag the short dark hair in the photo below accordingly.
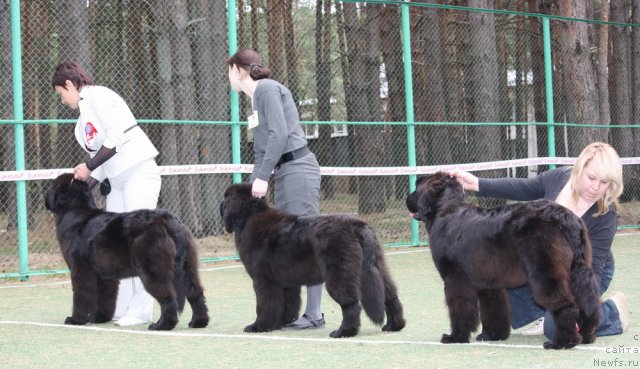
(249, 60)
(70, 71)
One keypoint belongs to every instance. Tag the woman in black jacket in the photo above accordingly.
(590, 189)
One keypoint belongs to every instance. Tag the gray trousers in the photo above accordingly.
(297, 191)
(297, 186)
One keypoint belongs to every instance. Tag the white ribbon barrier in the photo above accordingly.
(170, 170)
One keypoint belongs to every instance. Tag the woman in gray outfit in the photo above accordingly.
(280, 148)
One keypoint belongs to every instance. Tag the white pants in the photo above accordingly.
(136, 188)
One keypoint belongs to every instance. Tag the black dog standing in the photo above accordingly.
(481, 252)
(101, 247)
(283, 251)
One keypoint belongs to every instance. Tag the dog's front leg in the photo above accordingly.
(108, 292)
(269, 306)
(292, 303)
(85, 296)
(462, 301)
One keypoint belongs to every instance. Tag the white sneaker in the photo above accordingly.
(535, 329)
(620, 301)
(128, 321)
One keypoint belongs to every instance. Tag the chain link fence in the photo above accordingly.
(473, 91)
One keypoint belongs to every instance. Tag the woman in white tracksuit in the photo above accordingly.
(121, 153)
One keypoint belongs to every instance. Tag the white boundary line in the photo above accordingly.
(260, 337)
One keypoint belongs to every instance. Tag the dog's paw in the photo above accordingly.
(160, 327)
(559, 345)
(199, 323)
(587, 339)
(251, 328)
(340, 333)
(394, 326)
(556, 346)
(71, 321)
(447, 338)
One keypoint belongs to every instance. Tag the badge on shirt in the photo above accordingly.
(90, 133)
(253, 120)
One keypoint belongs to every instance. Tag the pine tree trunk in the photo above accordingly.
(323, 146)
(579, 77)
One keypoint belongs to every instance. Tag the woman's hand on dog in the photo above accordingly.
(259, 188)
(81, 172)
(466, 179)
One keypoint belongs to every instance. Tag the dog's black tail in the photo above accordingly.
(186, 278)
(181, 239)
(372, 284)
(379, 292)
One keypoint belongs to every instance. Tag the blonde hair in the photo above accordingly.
(607, 166)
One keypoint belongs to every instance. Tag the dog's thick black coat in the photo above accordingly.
(282, 252)
(101, 247)
(480, 252)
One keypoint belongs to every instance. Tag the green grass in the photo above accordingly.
(232, 305)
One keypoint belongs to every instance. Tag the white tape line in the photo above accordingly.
(168, 170)
(261, 337)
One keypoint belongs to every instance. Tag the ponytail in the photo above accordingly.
(249, 60)
(257, 71)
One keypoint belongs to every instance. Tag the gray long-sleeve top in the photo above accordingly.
(548, 185)
(279, 129)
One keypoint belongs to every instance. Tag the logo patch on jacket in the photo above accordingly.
(90, 133)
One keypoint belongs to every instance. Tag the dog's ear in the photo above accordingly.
(55, 198)
(66, 191)
(430, 189)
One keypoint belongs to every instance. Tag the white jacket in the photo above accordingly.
(105, 119)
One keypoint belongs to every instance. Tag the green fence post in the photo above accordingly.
(548, 88)
(408, 92)
(234, 100)
(21, 192)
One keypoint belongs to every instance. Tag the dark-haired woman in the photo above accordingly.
(119, 152)
(280, 148)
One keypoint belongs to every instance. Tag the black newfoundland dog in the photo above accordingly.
(281, 252)
(481, 252)
(101, 247)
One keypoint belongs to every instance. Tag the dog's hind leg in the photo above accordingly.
(193, 286)
(343, 285)
(566, 336)
(462, 300)
(107, 294)
(554, 295)
(494, 315)
(160, 286)
(550, 286)
(586, 291)
(200, 313)
(393, 307)
(350, 321)
(168, 315)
